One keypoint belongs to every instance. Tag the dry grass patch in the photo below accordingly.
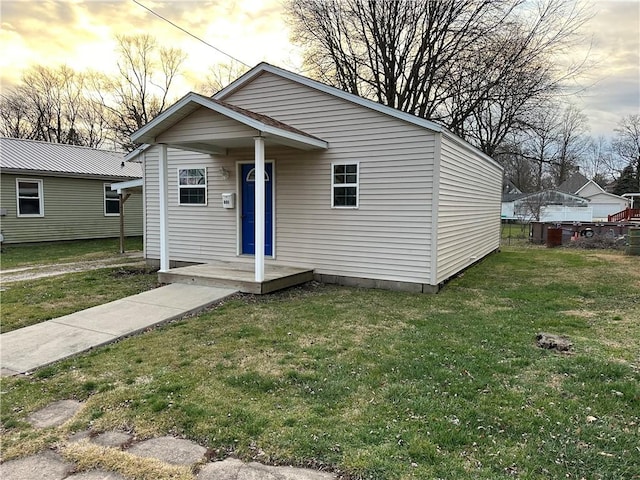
(579, 313)
(89, 456)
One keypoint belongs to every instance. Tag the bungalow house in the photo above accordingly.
(603, 203)
(54, 192)
(278, 170)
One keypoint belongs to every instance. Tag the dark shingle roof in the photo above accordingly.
(574, 183)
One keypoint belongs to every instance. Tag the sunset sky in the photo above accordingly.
(81, 35)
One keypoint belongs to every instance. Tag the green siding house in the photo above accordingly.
(53, 192)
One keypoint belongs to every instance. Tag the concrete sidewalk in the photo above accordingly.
(38, 345)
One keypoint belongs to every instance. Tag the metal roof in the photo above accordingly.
(35, 157)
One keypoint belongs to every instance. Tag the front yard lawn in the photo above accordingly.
(383, 385)
(32, 301)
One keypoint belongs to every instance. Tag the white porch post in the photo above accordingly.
(259, 209)
(164, 210)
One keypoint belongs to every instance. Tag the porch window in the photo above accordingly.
(29, 197)
(192, 186)
(111, 201)
(251, 176)
(344, 185)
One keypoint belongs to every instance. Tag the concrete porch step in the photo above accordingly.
(239, 276)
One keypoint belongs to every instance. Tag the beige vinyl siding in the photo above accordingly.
(73, 209)
(469, 201)
(150, 158)
(388, 236)
(203, 124)
(197, 233)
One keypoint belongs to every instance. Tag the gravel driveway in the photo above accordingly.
(33, 272)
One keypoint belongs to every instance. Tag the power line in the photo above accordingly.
(190, 34)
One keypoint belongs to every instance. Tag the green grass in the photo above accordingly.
(383, 385)
(28, 302)
(60, 252)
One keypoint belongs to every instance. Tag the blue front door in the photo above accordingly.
(248, 209)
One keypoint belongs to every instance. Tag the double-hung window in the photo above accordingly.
(111, 201)
(192, 186)
(29, 197)
(344, 185)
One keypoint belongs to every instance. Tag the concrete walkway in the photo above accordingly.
(38, 345)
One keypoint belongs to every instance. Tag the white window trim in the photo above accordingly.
(357, 185)
(40, 197)
(104, 202)
(206, 185)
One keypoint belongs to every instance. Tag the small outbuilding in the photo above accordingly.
(603, 203)
(278, 170)
(53, 192)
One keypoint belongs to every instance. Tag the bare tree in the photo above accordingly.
(143, 87)
(220, 76)
(50, 104)
(597, 161)
(539, 143)
(518, 168)
(15, 115)
(470, 64)
(571, 144)
(626, 146)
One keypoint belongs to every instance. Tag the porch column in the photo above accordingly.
(164, 210)
(259, 209)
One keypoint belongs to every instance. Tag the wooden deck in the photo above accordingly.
(237, 275)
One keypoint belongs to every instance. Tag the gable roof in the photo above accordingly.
(601, 191)
(574, 183)
(192, 101)
(45, 158)
(350, 97)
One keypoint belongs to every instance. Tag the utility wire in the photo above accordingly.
(189, 33)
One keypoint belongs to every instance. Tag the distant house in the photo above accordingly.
(546, 206)
(54, 192)
(602, 202)
(359, 192)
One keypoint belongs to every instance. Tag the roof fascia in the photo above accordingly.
(585, 186)
(46, 173)
(172, 110)
(467, 146)
(134, 153)
(227, 112)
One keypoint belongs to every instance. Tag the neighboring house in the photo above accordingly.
(602, 202)
(353, 189)
(56, 192)
(546, 206)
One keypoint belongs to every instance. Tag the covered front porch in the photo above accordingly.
(222, 131)
(238, 275)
